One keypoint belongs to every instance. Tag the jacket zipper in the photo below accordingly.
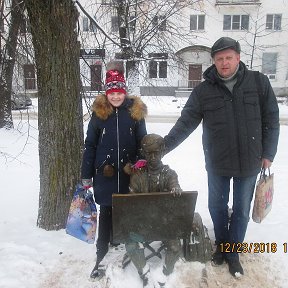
(118, 153)
(235, 110)
(103, 133)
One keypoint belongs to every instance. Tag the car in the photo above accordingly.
(20, 101)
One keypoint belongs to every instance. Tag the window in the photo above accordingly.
(273, 22)
(92, 26)
(152, 69)
(114, 24)
(129, 66)
(163, 69)
(157, 69)
(24, 26)
(269, 62)
(236, 22)
(88, 25)
(7, 4)
(85, 24)
(159, 22)
(29, 76)
(197, 22)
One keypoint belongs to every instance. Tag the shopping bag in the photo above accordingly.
(263, 196)
(82, 217)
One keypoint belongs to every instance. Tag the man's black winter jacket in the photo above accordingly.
(239, 128)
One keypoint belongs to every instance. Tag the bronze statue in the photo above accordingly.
(154, 177)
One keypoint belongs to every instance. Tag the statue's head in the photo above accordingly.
(152, 142)
(153, 150)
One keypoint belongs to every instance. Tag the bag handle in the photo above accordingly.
(263, 173)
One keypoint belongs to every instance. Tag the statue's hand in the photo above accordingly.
(176, 191)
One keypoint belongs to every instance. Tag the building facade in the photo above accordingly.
(171, 41)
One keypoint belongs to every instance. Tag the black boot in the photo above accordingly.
(235, 267)
(218, 256)
(95, 272)
(102, 249)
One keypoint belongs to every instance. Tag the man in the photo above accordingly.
(154, 177)
(240, 119)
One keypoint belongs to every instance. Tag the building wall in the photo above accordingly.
(193, 48)
(265, 41)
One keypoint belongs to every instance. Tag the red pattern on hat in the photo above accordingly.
(115, 82)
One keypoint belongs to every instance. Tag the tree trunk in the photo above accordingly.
(53, 28)
(7, 62)
(126, 47)
(133, 78)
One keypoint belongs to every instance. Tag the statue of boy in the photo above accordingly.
(154, 177)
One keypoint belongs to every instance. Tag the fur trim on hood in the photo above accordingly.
(103, 109)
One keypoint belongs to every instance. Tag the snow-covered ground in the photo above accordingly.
(31, 257)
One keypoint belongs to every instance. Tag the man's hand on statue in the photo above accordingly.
(176, 191)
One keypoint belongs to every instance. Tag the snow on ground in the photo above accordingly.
(32, 257)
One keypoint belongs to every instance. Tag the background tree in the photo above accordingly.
(259, 29)
(53, 28)
(139, 29)
(8, 53)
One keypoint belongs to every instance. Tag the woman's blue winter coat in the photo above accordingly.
(113, 138)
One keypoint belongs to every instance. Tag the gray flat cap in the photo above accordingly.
(225, 43)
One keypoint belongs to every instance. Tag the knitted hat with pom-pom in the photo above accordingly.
(115, 81)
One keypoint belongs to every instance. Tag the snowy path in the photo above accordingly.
(70, 271)
(34, 258)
